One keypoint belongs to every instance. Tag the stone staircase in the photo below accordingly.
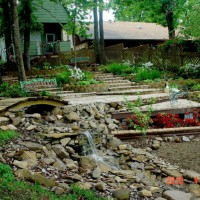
(118, 85)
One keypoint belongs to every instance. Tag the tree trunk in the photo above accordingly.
(101, 30)
(27, 32)
(170, 24)
(167, 9)
(7, 23)
(96, 33)
(16, 39)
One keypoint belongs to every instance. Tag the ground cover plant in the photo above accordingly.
(11, 90)
(5, 136)
(141, 73)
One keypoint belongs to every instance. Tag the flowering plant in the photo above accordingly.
(139, 120)
(76, 74)
(147, 65)
(168, 120)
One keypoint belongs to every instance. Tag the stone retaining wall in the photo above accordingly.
(88, 88)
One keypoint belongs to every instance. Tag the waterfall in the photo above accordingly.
(93, 152)
(109, 160)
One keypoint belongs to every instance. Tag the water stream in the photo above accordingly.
(92, 153)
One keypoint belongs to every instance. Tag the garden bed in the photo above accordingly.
(100, 87)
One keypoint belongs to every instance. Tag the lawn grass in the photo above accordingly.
(5, 136)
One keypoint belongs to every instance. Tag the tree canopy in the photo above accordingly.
(164, 12)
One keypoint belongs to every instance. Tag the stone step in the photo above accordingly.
(71, 95)
(117, 81)
(127, 87)
(132, 92)
(103, 75)
(62, 92)
(120, 84)
(111, 79)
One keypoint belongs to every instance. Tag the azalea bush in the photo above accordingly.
(168, 120)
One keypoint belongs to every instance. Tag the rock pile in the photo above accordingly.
(50, 152)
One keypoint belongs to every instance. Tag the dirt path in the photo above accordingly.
(186, 155)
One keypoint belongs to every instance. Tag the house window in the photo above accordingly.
(50, 37)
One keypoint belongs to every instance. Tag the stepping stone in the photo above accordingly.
(117, 81)
(121, 84)
(133, 92)
(127, 87)
(176, 195)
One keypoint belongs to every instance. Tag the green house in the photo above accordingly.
(53, 39)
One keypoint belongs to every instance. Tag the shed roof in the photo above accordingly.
(49, 11)
(132, 31)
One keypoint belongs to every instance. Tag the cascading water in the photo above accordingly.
(91, 151)
(92, 148)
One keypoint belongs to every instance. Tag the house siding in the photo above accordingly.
(65, 46)
(49, 12)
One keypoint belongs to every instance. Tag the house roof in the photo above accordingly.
(49, 11)
(132, 31)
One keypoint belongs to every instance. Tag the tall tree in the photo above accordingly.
(25, 15)
(96, 33)
(164, 12)
(101, 30)
(16, 40)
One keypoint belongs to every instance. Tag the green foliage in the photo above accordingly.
(7, 90)
(89, 82)
(147, 74)
(189, 71)
(5, 136)
(143, 119)
(196, 87)
(118, 69)
(45, 93)
(77, 12)
(190, 21)
(148, 11)
(63, 77)
(190, 83)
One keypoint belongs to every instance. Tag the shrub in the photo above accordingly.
(7, 90)
(139, 121)
(147, 74)
(63, 77)
(189, 71)
(116, 68)
(168, 120)
(190, 83)
(196, 87)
